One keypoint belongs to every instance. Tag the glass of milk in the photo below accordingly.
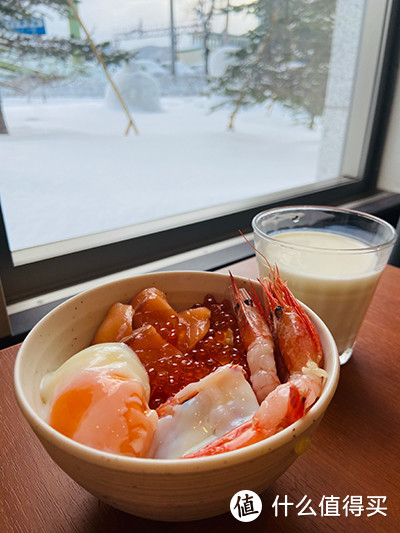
(331, 258)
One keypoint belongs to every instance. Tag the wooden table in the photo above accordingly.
(354, 457)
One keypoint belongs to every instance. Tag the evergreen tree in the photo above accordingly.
(17, 50)
(286, 58)
(204, 11)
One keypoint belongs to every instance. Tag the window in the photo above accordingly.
(304, 81)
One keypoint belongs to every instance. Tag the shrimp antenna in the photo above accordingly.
(256, 300)
(273, 270)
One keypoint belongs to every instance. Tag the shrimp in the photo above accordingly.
(299, 345)
(283, 406)
(296, 339)
(258, 341)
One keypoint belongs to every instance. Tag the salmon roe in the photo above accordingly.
(221, 345)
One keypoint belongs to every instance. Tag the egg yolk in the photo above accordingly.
(105, 411)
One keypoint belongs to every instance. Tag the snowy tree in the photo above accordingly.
(18, 49)
(205, 10)
(286, 58)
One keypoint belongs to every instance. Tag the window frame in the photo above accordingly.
(22, 281)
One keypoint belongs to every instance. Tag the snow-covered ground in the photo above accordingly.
(67, 169)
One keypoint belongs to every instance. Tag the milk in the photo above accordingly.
(329, 275)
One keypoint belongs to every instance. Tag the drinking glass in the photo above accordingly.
(331, 258)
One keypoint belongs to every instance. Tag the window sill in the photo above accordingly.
(25, 314)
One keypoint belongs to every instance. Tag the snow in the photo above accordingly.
(67, 169)
(139, 89)
(220, 59)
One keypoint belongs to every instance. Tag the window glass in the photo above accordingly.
(196, 108)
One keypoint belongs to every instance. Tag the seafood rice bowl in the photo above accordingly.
(112, 381)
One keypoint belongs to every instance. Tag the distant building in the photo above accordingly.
(155, 43)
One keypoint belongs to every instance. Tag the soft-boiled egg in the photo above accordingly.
(99, 397)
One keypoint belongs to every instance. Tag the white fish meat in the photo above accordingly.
(203, 411)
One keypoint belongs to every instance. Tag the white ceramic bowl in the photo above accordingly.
(170, 490)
